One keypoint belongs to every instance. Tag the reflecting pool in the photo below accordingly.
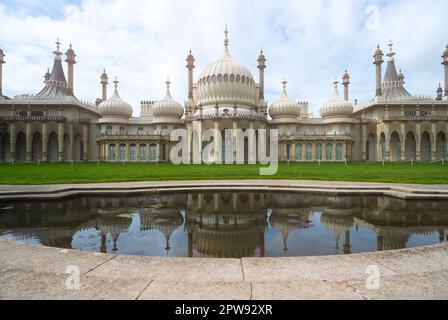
(225, 224)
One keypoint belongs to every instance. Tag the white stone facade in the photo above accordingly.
(55, 126)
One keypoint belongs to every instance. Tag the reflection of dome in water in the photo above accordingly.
(164, 220)
(394, 238)
(227, 235)
(112, 225)
(227, 243)
(287, 221)
(338, 224)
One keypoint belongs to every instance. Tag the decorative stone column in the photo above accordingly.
(71, 147)
(12, 142)
(418, 139)
(158, 152)
(387, 142)
(364, 142)
(433, 141)
(61, 140)
(403, 141)
(85, 139)
(29, 138)
(217, 150)
(45, 141)
(235, 128)
(106, 146)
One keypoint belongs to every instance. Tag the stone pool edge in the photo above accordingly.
(37, 272)
(59, 191)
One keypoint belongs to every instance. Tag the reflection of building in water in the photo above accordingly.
(113, 225)
(395, 221)
(164, 220)
(339, 221)
(226, 224)
(52, 223)
(287, 220)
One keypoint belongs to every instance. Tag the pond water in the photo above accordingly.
(225, 224)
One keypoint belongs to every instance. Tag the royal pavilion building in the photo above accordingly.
(55, 126)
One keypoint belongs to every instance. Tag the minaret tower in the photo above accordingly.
(261, 66)
(190, 67)
(378, 61)
(104, 84)
(70, 62)
(346, 83)
(445, 63)
(2, 61)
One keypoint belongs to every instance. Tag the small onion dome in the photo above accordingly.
(168, 108)
(284, 107)
(115, 107)
(337, 107)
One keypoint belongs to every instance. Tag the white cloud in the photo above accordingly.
(143, 42)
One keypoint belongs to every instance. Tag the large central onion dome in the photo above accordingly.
(168, 108)
(226, 81)
(284, 107)
(115, 107)
(337, 108)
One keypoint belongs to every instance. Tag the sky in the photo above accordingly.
(144, 42)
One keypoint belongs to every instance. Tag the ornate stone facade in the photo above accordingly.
(55, 126)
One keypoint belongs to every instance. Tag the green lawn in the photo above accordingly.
(424, 173)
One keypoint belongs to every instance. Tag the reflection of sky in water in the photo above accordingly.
(309, 232)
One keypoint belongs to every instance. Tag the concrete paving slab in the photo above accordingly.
(171, 269)
(311, 268)
(426, 259)
(24, 285)
(168, 290)
(45, 259)
(304, 290)
(419, 286)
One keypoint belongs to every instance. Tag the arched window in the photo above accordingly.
(299, 152)
(309, 152)
(153, 152)
(112, 152)
(143, 152)
(133, 153)
(329, 152)
(339, 152)
(319, 151)
(122, 152)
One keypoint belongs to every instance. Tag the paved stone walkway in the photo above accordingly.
(34, 272)
(403, 191)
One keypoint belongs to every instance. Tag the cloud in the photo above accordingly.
(143, 42)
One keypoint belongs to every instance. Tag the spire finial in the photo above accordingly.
(58, 44)
(168, 83)
(226, 37)
(336, 83)
(284, 83)
(391, 46)
(116, 82)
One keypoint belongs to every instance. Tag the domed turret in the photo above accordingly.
(115, 107)
(337, 109)
(168, 109)
(226, 81)
(284, 108)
